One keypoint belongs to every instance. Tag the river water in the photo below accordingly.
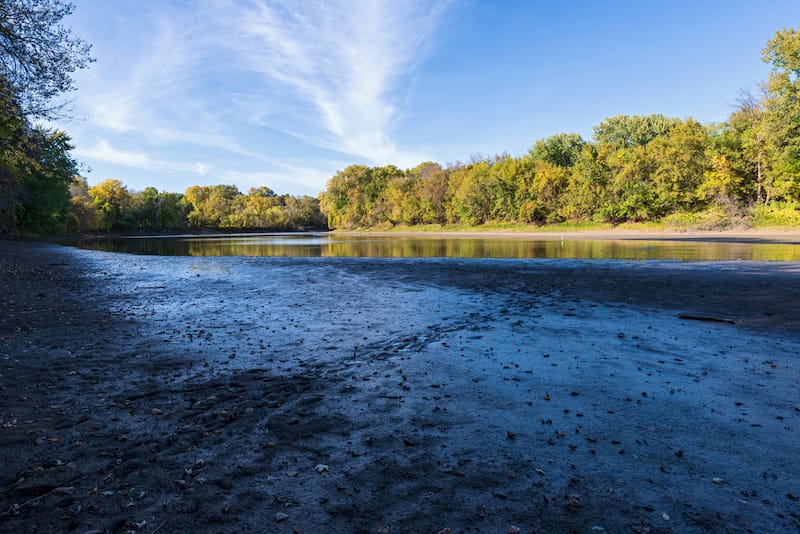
(381, 246)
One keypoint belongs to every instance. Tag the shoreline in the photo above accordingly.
(789, 236)
(775, 236)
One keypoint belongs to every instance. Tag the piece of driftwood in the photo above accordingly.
(705, 318)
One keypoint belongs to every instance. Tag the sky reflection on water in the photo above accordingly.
(337, 245)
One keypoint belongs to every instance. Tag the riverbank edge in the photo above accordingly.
(777, 236)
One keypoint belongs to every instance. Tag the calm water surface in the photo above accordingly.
(337, 245)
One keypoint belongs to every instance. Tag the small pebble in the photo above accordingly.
(321, 469)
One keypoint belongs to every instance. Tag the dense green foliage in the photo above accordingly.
(636, 168)
(37, 58)
(35, 170)
(110, 207)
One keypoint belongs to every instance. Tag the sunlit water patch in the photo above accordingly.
(343, 245)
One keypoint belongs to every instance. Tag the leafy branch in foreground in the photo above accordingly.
(38, 54)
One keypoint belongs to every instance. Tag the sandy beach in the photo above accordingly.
(152, 394)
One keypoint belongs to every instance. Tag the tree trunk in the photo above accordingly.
(759, 186)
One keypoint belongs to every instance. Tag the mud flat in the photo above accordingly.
(151, 394)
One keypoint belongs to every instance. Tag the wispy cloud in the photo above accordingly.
(282, 90)
(103, 151)
(143, 83)
(283, 176)
(345, 62)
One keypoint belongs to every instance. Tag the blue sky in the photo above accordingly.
(285, 93)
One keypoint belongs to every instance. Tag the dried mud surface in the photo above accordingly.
(150, 394)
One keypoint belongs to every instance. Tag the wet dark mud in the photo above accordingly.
(147, 394)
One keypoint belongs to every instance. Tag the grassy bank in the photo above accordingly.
(778, 218)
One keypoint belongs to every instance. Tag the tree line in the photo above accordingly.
(635, 168)
(111, 207)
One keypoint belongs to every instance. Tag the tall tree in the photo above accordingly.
(681, 162)
(13, 132)
(147, 208)
(345, 200)
(401, 200)
(757, 141)
(114, 203)
(35, 170)
(172, 211)
(83, 215)
(211, 205)
(473, 194)
(586, 189)
(38, 54)
(560, 149)
(303, 212)
(628, 131)
(430, 188)
(782, 107)
(46, 178)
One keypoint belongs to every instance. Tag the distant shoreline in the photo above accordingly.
(791, 236)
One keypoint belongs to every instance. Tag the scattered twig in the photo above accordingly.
(706, 318)
(15, 508)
